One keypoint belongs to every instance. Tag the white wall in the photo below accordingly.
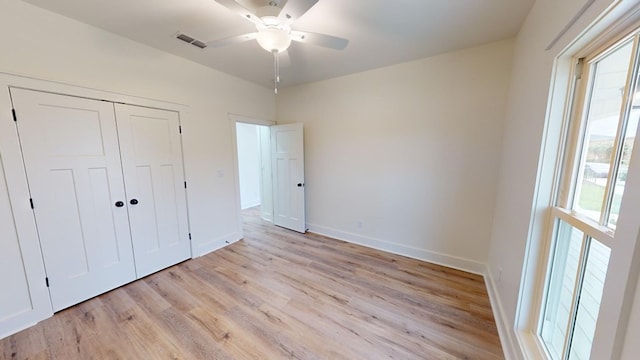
(631, 347)
(405, 158)
(524, 181)
(44, 45)
(248, 164)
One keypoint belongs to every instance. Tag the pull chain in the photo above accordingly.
(276, 71)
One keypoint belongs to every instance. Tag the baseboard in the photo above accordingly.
(394, 248)
(250, 204)
(203, 248)
(505, 328)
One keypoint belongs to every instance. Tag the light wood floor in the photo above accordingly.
(277, 294)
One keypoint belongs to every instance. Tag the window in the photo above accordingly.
(591, 183)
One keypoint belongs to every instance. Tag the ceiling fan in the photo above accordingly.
(274, 33)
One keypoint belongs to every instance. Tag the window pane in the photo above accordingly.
(589, 303)
(605, 104)
(558, 307)
(627, 146)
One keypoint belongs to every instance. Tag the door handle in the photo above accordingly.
(119, 204)
(300, 184)
(133, 202)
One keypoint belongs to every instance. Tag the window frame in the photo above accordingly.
(567, 174)
(572, 153)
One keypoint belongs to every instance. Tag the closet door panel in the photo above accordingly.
(154, 179)
(70, 148)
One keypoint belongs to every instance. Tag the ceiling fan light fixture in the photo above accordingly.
(274, 39)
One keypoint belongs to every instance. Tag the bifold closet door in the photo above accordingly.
(154, 181)
(72, 159)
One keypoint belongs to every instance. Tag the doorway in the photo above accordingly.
(253, 149)
(277, 151)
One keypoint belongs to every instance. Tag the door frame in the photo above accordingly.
(233, 120)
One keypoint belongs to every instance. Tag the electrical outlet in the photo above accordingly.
(359, 224)
(220, 173)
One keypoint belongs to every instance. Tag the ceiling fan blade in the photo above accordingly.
(328, 41)
(293, 9)
(232, 40)
(240, 10)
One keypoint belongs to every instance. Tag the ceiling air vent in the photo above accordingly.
(199, 44)
(188, 39)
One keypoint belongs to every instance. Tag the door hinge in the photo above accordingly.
(189, 236)
(185, 184)
(46, 280)
(180, 128)
(31, 203)
(15, 117)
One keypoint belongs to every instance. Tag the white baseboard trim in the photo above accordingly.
(250, 204)
(506, 330)
(394, 248)
(202, 248)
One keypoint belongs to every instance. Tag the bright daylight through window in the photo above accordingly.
(591, 182)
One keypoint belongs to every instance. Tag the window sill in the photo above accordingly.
(530, 346)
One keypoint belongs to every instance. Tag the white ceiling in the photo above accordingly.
(381, 33)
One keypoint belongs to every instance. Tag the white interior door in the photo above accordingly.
(287, 151)
(154, 182)
(70, 148)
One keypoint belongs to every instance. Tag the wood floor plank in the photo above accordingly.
(277, 294)
(232, 337)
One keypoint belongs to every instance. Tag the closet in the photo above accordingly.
(107, 188)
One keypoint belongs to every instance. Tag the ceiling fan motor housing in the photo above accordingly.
(269, 15)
